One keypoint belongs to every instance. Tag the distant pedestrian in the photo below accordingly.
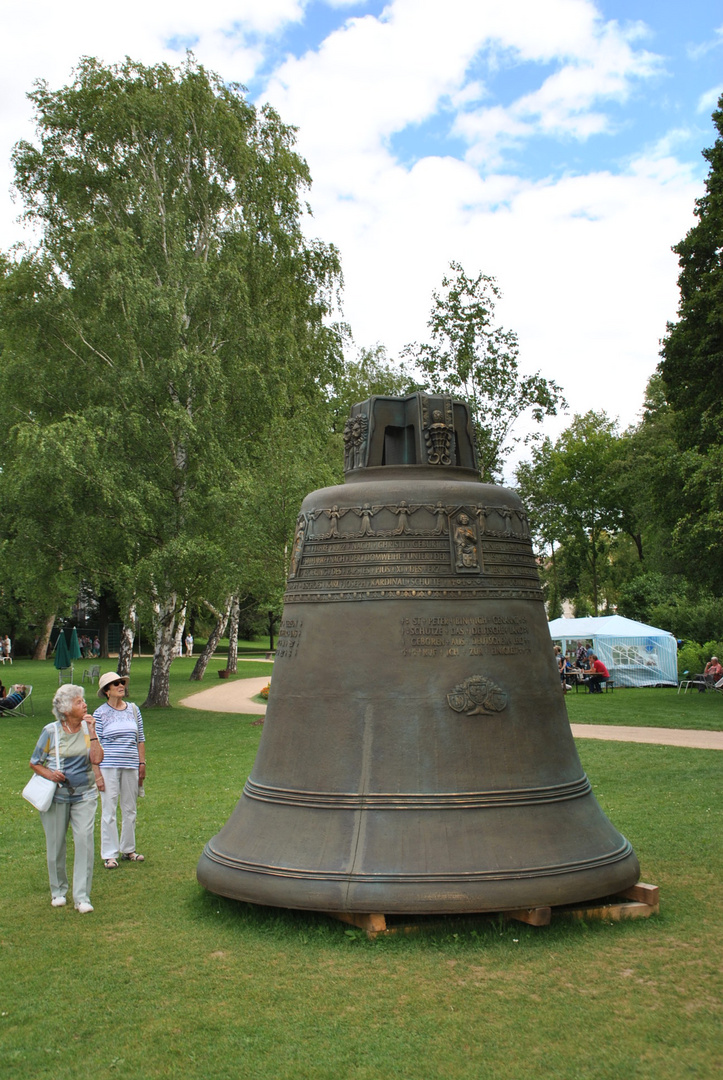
(189, 644)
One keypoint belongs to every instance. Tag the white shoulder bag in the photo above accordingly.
(39, 790)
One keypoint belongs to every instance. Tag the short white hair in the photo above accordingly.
(65, 696)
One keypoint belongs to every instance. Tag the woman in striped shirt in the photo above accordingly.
(119, 726)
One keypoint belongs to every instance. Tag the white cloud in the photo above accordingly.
(708, 101)
(598, 65)
(376, 77)
(696, 52)
(45, 39)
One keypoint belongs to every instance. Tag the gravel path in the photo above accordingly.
(231, 695)
(699, 740)
(235, 696)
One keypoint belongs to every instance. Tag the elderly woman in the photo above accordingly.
(120, 729)
(76, 796)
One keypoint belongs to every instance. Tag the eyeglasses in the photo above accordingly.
(118, 682)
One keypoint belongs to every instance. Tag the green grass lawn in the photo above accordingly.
(167, 980)
(661, 707)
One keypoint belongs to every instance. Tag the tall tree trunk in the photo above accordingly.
(594, 574)
(232, 662)
(272, 623)
(103, 625)
(554, 605)
(214, 637)
(181, 626)
(128, 633)
(637, 539)
(41, 647)
(164, 631)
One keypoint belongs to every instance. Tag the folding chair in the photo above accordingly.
(21, 709)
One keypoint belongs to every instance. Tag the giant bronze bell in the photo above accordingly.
(416, 754)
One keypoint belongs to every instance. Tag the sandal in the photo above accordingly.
(111, 864)
(132, 856)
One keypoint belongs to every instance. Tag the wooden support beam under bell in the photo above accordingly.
(373, 924)
(638, 902)
(536, 916)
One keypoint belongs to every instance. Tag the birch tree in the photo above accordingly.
(174, 303)
(471, 357)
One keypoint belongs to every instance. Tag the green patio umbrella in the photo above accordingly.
(75, 650)
(62, 656)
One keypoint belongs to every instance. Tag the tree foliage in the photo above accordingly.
(475, 359)
(692, 352)
(571, 490)
(666, 472)
(172, 309)
(691, 365)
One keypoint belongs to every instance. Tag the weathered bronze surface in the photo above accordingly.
(416, 754)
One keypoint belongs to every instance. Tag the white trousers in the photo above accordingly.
(121, 785)
(81, 817)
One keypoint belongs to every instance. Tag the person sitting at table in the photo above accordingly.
(595, 675)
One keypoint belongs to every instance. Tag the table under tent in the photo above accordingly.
(633, 653)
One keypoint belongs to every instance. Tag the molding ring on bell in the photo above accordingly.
(580, 866)
(417, 800)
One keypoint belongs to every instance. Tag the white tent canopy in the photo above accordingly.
(633, 653)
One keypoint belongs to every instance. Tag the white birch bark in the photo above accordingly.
(125, 649)
(178, 642)
(232, 661)
(166, 614)
(214, 637)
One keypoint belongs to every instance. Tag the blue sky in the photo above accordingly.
(555, 144)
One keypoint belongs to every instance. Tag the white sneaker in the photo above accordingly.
(83, 908)
(58, 901)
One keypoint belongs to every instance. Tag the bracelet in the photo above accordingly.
(94, 738)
